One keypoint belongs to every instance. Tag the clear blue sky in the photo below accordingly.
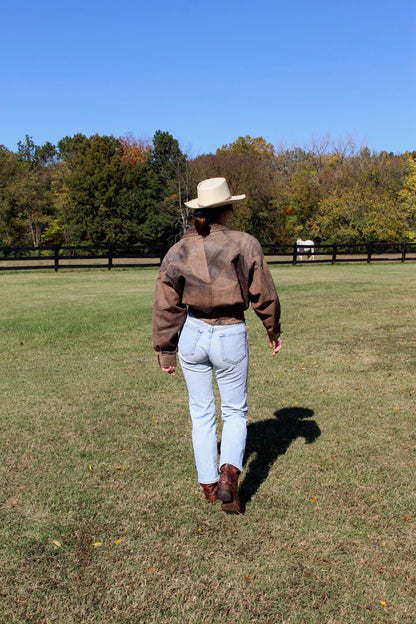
(208, 71)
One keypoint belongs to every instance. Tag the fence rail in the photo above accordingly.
(113, 256)
(342, 252)
(85, 256)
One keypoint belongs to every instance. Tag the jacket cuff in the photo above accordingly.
(274, 335)
(166, 359)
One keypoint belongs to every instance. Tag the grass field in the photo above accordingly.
(102, 519)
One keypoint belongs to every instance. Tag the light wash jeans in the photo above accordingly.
(203, 349)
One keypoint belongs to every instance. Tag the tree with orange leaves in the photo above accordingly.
(134, 151)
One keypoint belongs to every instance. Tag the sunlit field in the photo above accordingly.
(102, 518)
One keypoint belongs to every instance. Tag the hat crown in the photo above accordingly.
(213, 191)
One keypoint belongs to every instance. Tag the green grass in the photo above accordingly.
(102, 519)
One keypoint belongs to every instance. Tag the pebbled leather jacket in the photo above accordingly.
(214, 278)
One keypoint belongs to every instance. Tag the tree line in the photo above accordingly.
(106, 190)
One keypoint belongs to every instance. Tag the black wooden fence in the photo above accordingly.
(341, 252)
(112, 256)
(85, 256)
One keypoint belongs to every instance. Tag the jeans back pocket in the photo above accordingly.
(188, 340)
(234, 346)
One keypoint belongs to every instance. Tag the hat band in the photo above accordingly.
(216, 202)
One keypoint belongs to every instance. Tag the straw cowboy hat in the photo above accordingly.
(213, 192)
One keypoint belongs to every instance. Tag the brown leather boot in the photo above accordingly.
(210, 491)
(227, 489)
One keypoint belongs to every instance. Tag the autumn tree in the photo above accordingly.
(26, 201)
(99, 185)
(134, 151)
(106, 190)
(407, 197)
(112, 193)
(35, 190)
(248, 164)
(363, 202)
(258, 147)
(58, 229)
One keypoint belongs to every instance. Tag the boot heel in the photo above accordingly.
(225, 494)
(227, 489)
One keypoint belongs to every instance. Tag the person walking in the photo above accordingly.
(205, 283)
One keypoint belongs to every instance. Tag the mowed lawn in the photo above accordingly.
(102, 519)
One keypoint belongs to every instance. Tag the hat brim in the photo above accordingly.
(195, 205)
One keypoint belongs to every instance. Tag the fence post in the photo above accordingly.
(369, 252)
(404, 252)
(334, 253)
(56, 258)
(110, 257)
(295, 253)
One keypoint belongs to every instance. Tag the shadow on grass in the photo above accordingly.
(268, 439)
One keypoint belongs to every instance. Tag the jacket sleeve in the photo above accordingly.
(169, 314)
(263, 296)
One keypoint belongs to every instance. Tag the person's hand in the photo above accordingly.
(170, 370)
(276, 345)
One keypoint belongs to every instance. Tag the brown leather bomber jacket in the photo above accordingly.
(216, 278)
